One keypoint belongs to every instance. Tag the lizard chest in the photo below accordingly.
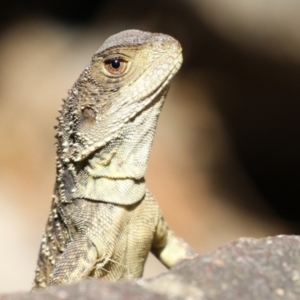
(122, 235)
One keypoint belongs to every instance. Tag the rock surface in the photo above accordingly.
(267, 268)
(246, 269)
(91, 289)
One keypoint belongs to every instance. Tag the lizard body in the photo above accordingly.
(103, 221)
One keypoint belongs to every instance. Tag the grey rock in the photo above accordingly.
(246, 269)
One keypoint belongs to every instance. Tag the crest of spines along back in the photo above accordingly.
(66, 129)
(67, 137)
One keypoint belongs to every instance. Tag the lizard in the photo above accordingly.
(103, 221)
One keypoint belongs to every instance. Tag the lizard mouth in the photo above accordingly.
(149, 98)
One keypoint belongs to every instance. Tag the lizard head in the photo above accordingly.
(129, 71)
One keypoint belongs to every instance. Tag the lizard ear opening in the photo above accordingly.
(89, 115)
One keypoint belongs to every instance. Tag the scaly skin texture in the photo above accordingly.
(103, 222)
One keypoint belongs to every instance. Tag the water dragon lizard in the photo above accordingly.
(103, 221)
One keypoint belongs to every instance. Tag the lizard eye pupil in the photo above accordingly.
(115, 64)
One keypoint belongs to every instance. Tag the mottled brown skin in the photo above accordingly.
(103, 222)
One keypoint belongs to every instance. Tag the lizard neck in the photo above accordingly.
(115, 173)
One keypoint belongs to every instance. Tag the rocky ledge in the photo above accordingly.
(262, 269)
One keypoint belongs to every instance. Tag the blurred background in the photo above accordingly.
(225, 161)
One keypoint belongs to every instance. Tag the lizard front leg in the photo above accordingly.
(168, 247)
(76, 262)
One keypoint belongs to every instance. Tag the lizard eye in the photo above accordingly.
(115, 66)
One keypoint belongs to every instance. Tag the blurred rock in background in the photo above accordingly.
(225, 161)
